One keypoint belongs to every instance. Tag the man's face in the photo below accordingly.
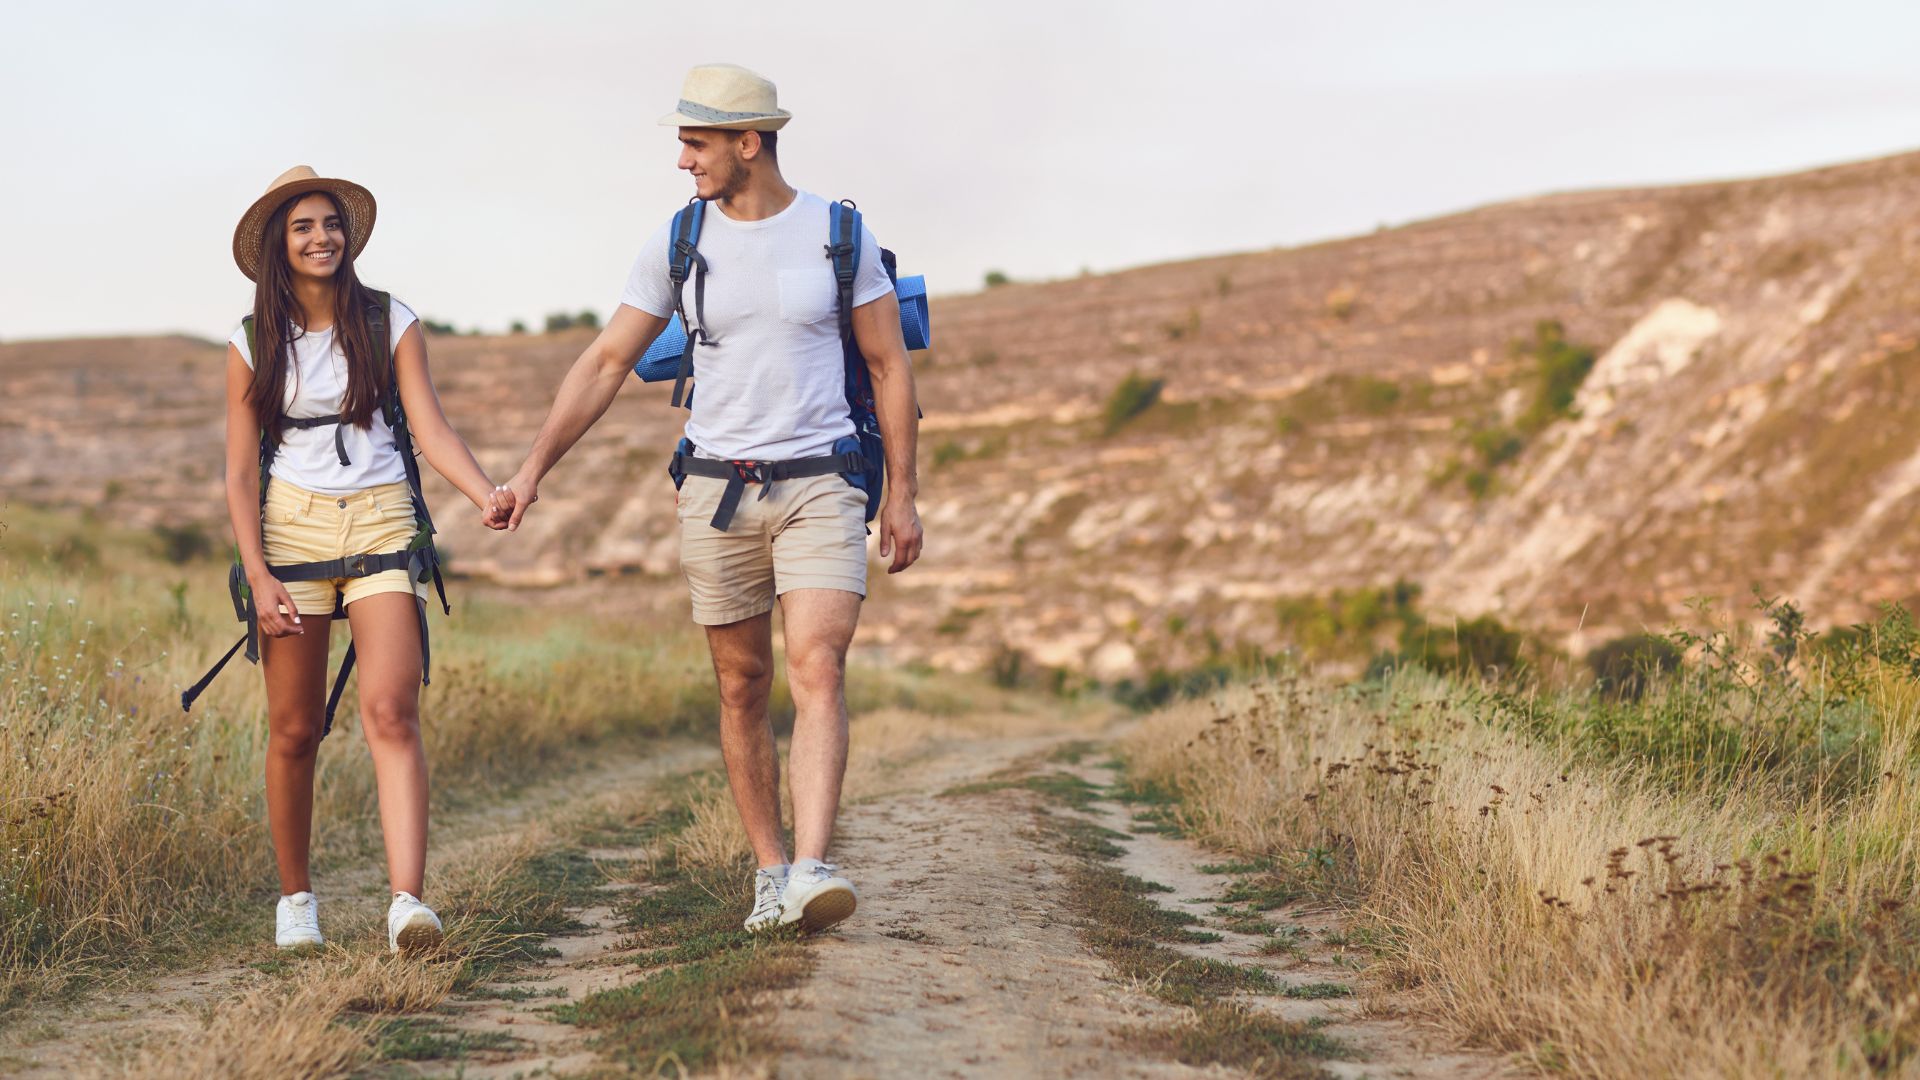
(713, 158)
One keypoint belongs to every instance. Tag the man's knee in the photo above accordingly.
(744, 683)
(817, 671)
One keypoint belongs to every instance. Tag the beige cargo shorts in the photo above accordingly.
(808, 533)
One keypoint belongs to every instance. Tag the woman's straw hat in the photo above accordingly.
(729, 97)
(355, 201)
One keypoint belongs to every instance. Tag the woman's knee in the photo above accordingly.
(391, 719)
(294, 733)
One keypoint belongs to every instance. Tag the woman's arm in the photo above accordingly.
(443, 447)
(243, 503)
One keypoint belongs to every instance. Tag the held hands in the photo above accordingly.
(901, 537)
(499, 508)
(521, 492)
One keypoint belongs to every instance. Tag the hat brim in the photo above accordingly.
(770, 122)
(357, 202)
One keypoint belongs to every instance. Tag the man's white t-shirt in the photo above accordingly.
(772, 386)
(317, 386)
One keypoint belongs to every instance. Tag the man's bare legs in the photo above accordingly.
(819, 626)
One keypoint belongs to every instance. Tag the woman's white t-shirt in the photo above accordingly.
(317, 386)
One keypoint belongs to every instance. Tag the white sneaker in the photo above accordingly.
(411, 925)
(815, 898)
(767, 886)
(296, 921)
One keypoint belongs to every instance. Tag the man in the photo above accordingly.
(770, 375)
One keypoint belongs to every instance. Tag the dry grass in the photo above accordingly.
(1584, 916)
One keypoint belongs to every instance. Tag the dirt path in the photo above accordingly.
(966, 958)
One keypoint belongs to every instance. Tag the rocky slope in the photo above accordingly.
(1758, 350)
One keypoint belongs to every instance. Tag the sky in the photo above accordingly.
(518, 165)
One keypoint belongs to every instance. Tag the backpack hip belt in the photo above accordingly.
(738, 474)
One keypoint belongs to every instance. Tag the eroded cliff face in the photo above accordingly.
(1747, 422)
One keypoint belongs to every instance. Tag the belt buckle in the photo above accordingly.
(358, 565)
(752, 472)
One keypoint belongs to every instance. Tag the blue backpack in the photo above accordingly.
(671, 355)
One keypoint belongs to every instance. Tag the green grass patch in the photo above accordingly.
(702, 1009)
(1234, 1036)
(1319, 991)
(1058, 786)
(1262, 892)
(418, 1038)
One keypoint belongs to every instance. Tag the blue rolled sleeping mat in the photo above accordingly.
(661, 361)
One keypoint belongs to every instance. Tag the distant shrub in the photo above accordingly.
(182, 543)
(1562, 367)
(1496, 445)
(1625, 666)
(558, 321)
(1480, 646)
(588, 319)
(1223, 286)
(1135, 395)
(1187, 327)
(1375, 395)
(1007, 667)
(1342, 301)
(948, 452)
(435, 326)
(518, 327)
(997, 278)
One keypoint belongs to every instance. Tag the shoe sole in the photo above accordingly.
(312, 943)
(828, 908)
(418, 935)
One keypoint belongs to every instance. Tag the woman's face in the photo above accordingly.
(316, 237)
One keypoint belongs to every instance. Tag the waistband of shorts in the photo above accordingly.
(295, 497)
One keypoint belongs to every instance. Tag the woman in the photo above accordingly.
(308, 381)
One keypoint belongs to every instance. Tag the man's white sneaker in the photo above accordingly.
(296, 921)
(411, 925)
(815, 898)
(767, 886)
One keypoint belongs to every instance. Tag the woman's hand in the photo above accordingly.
(269, 596)
(499, 508)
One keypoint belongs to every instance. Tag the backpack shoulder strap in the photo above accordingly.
(843, 247)
(684, 260)
(267, 448)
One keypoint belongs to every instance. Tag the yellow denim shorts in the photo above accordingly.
(301, 526)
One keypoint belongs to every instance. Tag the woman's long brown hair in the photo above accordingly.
(276, 328)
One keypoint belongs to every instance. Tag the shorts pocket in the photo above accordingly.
(807, 296)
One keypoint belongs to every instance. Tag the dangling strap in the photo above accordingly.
(339, 688)
(192, 693)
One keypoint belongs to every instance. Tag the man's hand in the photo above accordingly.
(520, 492)
(901, 537)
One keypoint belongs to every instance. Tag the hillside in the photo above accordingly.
(1758, 347)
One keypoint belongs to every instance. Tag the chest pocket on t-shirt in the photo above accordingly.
(806, 296)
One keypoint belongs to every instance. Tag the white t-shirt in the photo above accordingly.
(317, 386)
(772, 384)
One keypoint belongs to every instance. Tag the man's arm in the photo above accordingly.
(583, 398)
(876, 329)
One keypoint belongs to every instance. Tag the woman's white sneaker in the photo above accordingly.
(767, 886)
(411, 925)
(296, 921)
(814, 897)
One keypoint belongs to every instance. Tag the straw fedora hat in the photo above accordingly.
(355, 201)
(729, 97)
